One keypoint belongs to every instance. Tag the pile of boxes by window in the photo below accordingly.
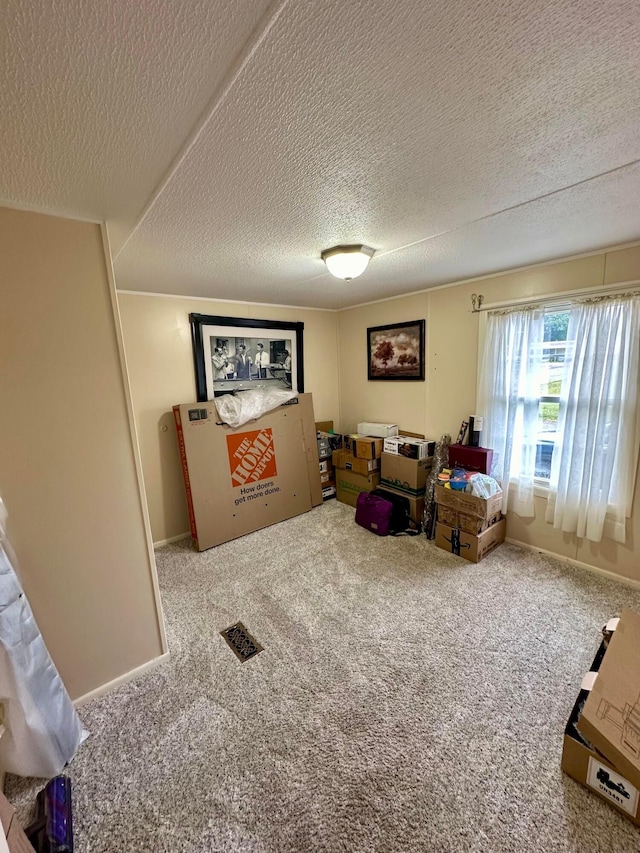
(468, 525)
(380, 456)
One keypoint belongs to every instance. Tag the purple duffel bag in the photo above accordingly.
(373, 513)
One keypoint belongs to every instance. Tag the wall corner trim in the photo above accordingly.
(139, 671)
(612, 576)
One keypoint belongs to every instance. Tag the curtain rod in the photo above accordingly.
(478, 304)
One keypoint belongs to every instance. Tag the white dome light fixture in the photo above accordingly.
(347, 262)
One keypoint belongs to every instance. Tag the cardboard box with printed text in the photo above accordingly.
(349, 485)
(467, 503)
(463, 544)
(346, 460)
(408, 476)
(600, 748)
(611, 716)
(363, 447)
(240, 479)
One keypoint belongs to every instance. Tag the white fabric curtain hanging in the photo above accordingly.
(594, 461)
(509, 398)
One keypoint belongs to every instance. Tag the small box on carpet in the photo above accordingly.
(346, 460)
(349, 485)
(363, 447)
(468, 504)
(408, 476)
(377, 430)
(463, 544)
(601, 748)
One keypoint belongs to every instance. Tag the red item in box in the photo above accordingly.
(470, 458)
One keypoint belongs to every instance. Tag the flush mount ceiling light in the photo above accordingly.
(347, 262)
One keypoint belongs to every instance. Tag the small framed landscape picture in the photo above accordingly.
(396, 351)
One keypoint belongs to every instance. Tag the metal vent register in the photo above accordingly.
(241, 642)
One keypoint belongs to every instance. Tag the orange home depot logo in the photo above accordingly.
(252, 456)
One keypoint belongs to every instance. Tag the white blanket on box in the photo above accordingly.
(42, 728)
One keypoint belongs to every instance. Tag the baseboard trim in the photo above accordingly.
(171, 539)
(612, 576)
(121, 679)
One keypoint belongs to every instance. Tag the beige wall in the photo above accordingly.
(160, 362)
(67, 459)
(438, 405)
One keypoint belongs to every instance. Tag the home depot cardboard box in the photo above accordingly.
(416, 503)
(346, 460)
(239, 480)
(472, 548)
(408, 476)
(601, 747)
(349, 485)
(16, 840)
(468, 504)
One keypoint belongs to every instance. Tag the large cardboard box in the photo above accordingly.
(471, 523)
(349, 485)
(581, 759)
(408, 476)
(17, 841)
(416, 503)
(472, 548)
(468, 504)
(377, 430)
(610, 720)
(239, 480)
(346, 460)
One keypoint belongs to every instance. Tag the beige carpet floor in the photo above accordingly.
(406, 700)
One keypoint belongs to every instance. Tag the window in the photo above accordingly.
(551, 368)
(560, 390)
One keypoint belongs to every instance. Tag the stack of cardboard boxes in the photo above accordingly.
(327, 442)
(357, 466)
(396, 463)
(468, 526)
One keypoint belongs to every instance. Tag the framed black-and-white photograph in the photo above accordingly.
(232, 354)
(396, 351)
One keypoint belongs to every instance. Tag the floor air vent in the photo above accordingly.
(241, 642)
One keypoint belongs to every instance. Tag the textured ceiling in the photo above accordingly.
(228, 143)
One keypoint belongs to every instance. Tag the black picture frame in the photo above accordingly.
(403, 346)
(208, 330)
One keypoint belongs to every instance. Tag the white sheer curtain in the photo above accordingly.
(594, 461)
(509, 397)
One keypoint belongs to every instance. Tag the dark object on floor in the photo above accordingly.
(241, 642)
(52, 830)
(400, 523)
(374, 513)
